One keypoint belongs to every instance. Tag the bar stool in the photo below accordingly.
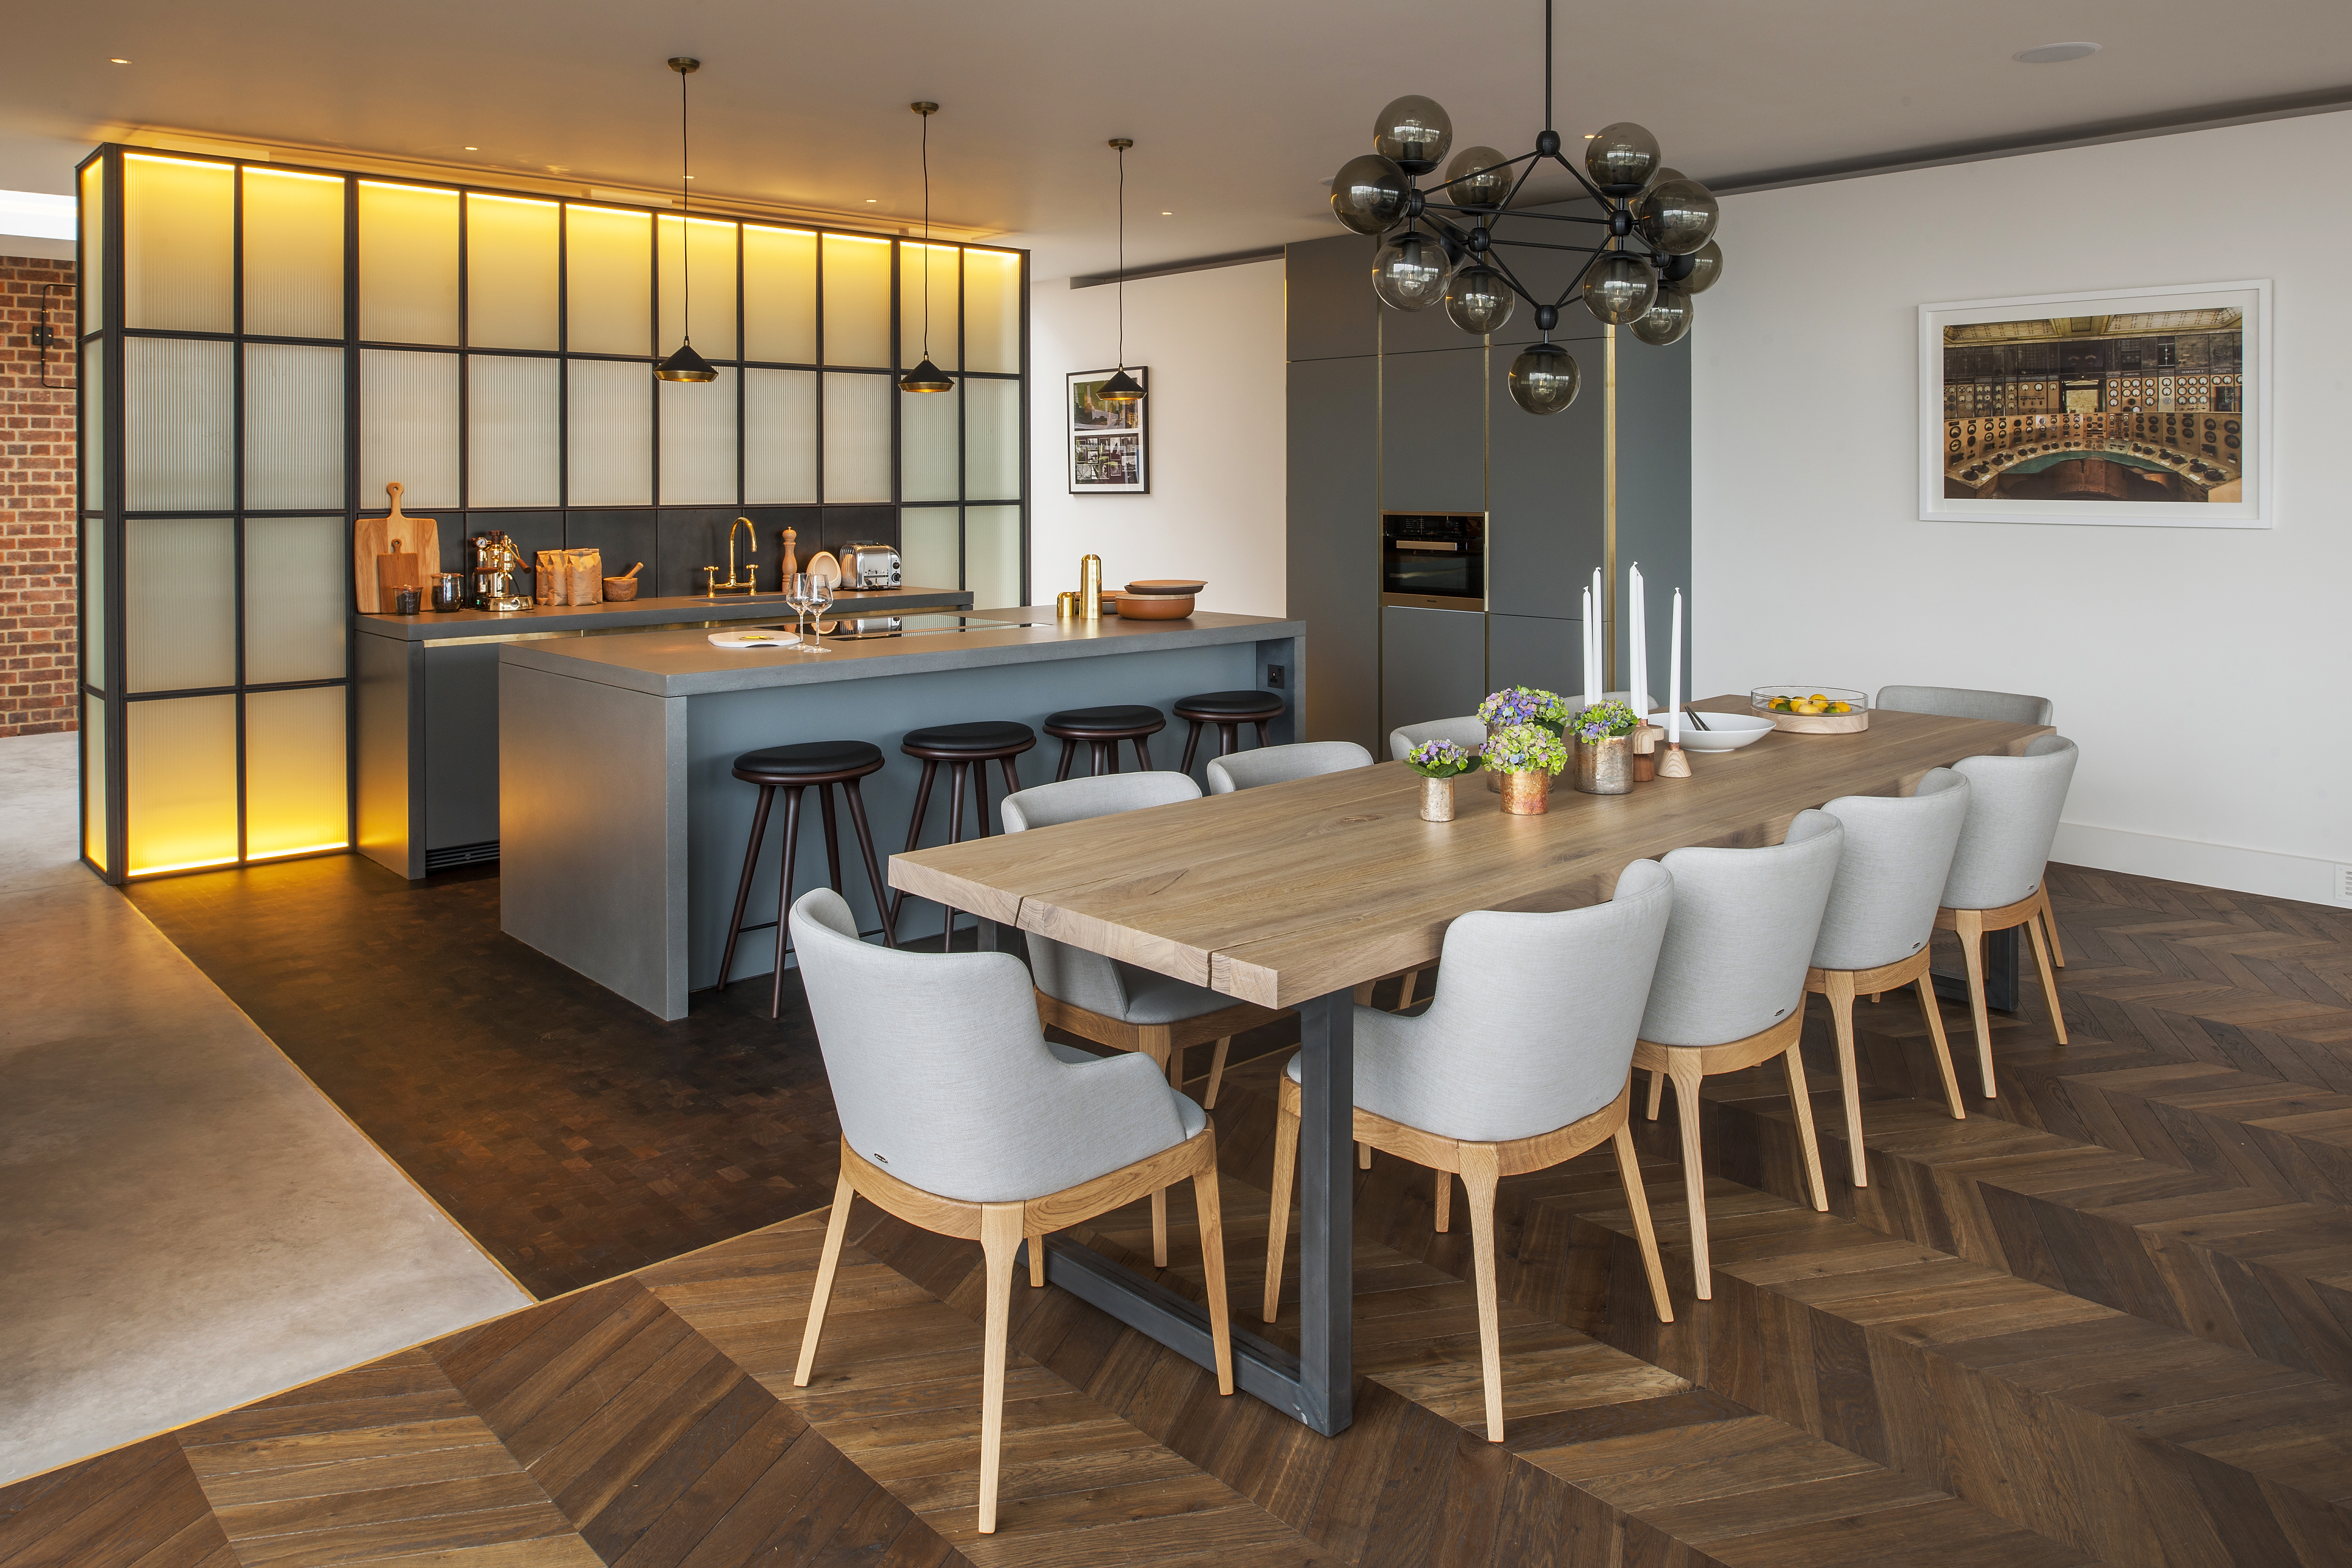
(821, 764)
(961, 746)
(1228, 710)
(1102, 729)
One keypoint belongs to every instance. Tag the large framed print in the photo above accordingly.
(2124, 405)
(1109, 443)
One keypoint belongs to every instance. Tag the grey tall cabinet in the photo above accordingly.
(1392, 412)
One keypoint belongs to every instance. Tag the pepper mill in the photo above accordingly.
(1090, 587)
(792, 562)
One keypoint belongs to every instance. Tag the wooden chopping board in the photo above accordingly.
(374, 536)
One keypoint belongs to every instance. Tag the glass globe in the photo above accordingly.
(1706, 266)
(1621, 159)
(1368, 192)
(1478, 177)
(1479, 301)
(1661, 174)
(1668, 318)
(1676, 216)
(1414, 132)
(1619, 287)
(1544, 378)
(1411, 271)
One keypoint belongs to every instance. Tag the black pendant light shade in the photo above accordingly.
(926, 377)
(1122, 388)
(686, 365)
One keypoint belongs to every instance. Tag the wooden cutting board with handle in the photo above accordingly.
(396, 533)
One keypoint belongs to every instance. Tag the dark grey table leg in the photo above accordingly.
(2000, 950)
(1318, 1386)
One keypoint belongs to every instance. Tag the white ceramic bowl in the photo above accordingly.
(1724, 732)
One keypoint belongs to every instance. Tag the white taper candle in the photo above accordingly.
(1674, 676)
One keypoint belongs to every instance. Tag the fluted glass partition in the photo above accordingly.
(265, 350)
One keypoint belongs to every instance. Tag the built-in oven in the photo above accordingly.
(1434, 561)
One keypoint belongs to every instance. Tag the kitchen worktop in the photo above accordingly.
(638, 614)
(683, 663)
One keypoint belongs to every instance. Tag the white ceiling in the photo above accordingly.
(1240, 109)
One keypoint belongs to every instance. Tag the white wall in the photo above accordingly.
(2201, 671)
(1213, 343)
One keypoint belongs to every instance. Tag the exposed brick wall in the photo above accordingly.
(38, 659)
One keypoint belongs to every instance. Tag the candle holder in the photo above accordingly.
(1645, 752)
(1672, 764)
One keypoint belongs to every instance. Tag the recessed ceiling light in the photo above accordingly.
(871, 200)
(1166, 215)
(118, 62)
(2057, 54)
(473, 149)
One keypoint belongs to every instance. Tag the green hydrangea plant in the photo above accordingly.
(1525, 748)
(1601, 720)
(1440, 760)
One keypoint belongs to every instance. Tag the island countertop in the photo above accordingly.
(683, 663)
(615, 616)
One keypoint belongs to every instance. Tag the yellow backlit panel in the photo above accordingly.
(180, 785)
(778, 294)
(510, 264)
(293, 254)
(992, 311)
(608, 281)
(179, 221)
(710, 246)
(93, 241)
(294, 794)
(408, 264)
(856, 301)
(932, 268)
(93, 780)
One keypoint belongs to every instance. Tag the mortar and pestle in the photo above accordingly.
(621, 589)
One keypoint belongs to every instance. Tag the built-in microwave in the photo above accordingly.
(1434, 561)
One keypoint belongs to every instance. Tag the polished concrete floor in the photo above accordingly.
(185, 1223)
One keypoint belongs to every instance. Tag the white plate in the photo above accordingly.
(1724, 732)
(823, 564)
(739, 641)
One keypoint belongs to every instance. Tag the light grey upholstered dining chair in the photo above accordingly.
(1875, 932)
(1523, 1060)
(1120, 1004)
(1999, 871)
(1965, 702)
(1280, 764)
(1468, 732)
(1730, 991)
(957, 1116)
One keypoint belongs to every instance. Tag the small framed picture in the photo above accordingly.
(1109, 442)
(2124, 405)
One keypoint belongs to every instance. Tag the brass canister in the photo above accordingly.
(1436, 800)
(1090, 587)
(1527, 793)
(1065, 605)
(1605, 766)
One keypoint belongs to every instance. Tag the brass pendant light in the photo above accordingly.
(685, 365)
(926, 377)
(1122, 388)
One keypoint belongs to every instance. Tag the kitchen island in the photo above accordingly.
(621, 826)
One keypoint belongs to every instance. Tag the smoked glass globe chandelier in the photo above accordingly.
(1444, 244)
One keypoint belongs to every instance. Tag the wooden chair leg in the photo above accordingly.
(1216, 1073)
(1277, 1228)
(1934, 1012)
(1037, 1261)
(1205, 1206)
(1629, 1171)
(1000, 1234)
(1404, 996)
(1839, 985)
(1363, 1156)
(1682, 1068)
(2050, 924)
(1801, 1103)
(834, 1229)
(1364, 993)
(1160, 1228)
(1657, 1091)
(1970, 926)
(1478, 1179)
(2049, 981)
(1444, 1201)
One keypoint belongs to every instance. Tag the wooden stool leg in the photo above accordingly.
(1970, 926)
(1012, 774)
(1229, 739)
(1142, 752)
(980, 795)
(873, 871)
(1934, 1012)
(1657, 1091)
(1478, 1179)
(1261, 731)
(1070, 750)
(832, 836)
(1801, 1103)
(1191, 745)
(957, 772)
(1216, 1072)
(834, 1229)
(2050, 924)
(743, 887)
(1444, 1201)
(914, 827)
(1000, 1236)
(1629, 1171)
(1682, 1068)
(2049, 981)
(785, 895)
(1841, 993)
(1211, 1212)
(1286, 1169)
(1037, 1261)
(1095, 750)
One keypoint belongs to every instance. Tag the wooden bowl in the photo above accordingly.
(620, 590)
(1857, 719)
(1171, 587)
(1154, 606)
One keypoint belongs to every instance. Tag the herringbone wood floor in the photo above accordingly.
(2103, 1319)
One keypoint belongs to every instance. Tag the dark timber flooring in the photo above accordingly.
(2107, 1318)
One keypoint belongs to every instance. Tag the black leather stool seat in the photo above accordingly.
(1119, 721)
(1242, 705)
(983, 738)
(809, 761)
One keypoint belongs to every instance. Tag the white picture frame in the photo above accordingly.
(1994, 418)
(1107, 437)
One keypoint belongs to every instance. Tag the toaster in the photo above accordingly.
(871, 565)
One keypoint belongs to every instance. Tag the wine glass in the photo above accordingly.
(798, 587)
(820, 598)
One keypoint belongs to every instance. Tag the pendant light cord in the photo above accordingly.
(1122, 258)
(927, 237)
(684, 208)
(1547, 119)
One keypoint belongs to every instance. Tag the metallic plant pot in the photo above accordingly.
(1436, 800)
(1527, 793)
(1605, 766)
(1493, 780)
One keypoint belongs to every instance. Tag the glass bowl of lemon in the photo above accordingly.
(1812, 710)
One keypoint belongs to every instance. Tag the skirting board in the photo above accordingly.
(2206, 865)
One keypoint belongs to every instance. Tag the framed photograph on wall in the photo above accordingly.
(1109, 445)
(2127, 406)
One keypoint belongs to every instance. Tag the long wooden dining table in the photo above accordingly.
(1291, 895)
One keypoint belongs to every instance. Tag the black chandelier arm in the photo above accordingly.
(1511, 281)
(1499, 212)
(1542, 244)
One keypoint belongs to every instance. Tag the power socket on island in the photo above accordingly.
(1275, 675)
